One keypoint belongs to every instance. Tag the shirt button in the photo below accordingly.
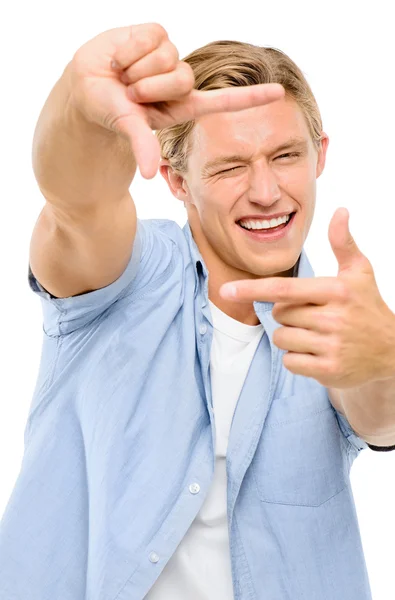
(203, 329)
(194, 488)
(154, 558)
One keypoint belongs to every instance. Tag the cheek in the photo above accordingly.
(217, 204)
(301, 186)
(224, 195)
(298, 178)
(215, 220)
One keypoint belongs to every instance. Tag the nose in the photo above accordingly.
(263, 185)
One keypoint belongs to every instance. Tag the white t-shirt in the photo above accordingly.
(200, 568)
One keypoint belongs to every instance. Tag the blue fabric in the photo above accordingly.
(121, 424)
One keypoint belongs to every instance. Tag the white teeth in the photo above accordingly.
(264, 224)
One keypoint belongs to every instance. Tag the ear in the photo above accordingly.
(322, 154)
(175, 181)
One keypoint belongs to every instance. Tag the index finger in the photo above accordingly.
(233, 98)
(315, 290)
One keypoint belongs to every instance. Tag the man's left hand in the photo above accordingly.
(337, 330)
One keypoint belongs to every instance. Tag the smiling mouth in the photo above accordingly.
(268, 229)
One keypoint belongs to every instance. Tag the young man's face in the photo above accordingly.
(262, 182)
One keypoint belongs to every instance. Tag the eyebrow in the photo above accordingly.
(295, 142)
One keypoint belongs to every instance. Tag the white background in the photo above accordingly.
(346, 51)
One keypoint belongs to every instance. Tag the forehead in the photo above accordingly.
(264, 126)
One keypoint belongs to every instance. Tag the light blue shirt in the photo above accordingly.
(119, 448)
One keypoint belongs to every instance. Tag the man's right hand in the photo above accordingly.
(161, 84)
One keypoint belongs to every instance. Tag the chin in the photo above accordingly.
(286, 269)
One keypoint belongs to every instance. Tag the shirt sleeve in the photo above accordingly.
(356, 442)
(152, 256)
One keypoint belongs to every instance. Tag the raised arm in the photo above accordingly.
(91, 136)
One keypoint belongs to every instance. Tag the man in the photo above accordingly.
(170, 452)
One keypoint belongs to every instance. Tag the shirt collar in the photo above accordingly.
(194, 250)
(303, 267)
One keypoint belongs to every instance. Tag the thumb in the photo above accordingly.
(343, 244)
(144, 143)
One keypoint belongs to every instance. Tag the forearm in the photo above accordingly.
(370, 410)
(78, 164)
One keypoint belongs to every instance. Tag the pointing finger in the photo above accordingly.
(233, 98)
(316, 290)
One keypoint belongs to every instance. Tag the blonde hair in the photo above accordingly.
(227, 63)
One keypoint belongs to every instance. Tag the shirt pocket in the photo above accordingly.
(301, 457)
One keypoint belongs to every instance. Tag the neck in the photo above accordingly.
(245, 313)
(221, 273)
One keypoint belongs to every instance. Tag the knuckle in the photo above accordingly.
(342, 291)
(143, 44)
(333, 321)
(282, 288)
(79, 61)
(168, 58)
(158, 30)
(113, 123)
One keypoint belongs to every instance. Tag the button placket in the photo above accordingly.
(203, 329)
